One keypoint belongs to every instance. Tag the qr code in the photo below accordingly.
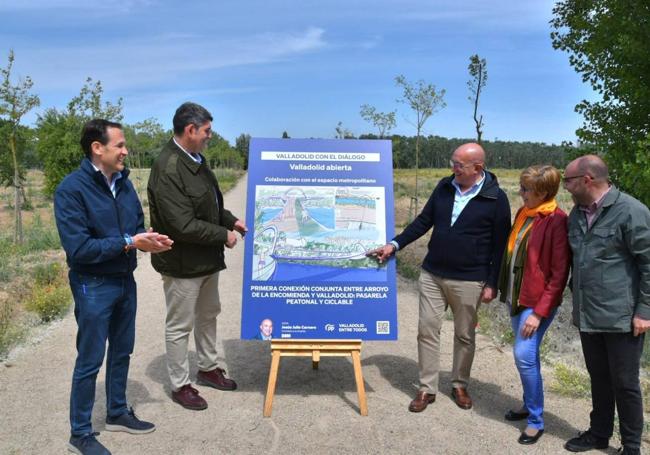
(383, 327)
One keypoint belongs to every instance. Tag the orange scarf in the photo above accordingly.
(544, 208)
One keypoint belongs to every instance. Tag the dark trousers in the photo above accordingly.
(104, 308)
(613, 360)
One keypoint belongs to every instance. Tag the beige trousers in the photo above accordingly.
(192, 303)
(464, 298)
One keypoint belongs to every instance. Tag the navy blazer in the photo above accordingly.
(472, 248)
(92, 223)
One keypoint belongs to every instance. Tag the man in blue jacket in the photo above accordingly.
(471, 219)
(101, 224)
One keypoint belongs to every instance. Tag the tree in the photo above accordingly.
(425, 101)
(221, 155)
(383, 121)
(144, 141)
(241, 144)
(58, 131)
(342, 132)
(15, 102)
(478, 79)
(607, 42)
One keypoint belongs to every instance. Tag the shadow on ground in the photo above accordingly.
(489, 400)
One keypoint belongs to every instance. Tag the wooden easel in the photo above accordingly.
(315, 349)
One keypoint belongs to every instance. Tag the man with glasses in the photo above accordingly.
(470, 215)
(609, 235)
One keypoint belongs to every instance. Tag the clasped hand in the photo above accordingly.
(152, 242)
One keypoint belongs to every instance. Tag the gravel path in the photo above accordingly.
(315, 411)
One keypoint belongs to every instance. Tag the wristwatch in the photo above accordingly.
(129, 245)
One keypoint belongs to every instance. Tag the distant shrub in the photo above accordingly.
(408, 269)
(7, 264)
(10, 333)
(50, 273)
(571, 382)
(49, 301)
(227, 177)
(494, 322)
(39, 237)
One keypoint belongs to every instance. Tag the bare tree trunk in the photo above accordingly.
(417, 166)
(478, 121)
(18, 231)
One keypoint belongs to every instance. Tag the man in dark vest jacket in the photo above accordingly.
(185, 203)
(470, 215)
(101, 224)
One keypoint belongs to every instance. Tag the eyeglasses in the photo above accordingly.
(457, 165)
(566, 179)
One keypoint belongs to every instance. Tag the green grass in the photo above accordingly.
(49, 301)
(228, 178)
(407, 269)
(38, 236)
(570, 382)
(494, 322)
(11, 331)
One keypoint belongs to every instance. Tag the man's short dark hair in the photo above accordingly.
(96, 130)
(190, 114)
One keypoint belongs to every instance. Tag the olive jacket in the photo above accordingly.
(186, 204)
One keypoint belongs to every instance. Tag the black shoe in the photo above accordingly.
(129, 423)
(513, 416)
(628, 451)
(586, 441)
(527, 439)
(87, 445)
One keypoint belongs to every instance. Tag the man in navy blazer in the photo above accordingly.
(470, 215)
(101, 224)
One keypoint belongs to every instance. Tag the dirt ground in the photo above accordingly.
(315, 411)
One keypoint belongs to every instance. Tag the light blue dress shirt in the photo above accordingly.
(114, 178)
(461, 199)
(195, 156)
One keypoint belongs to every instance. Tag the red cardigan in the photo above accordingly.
(548, 258)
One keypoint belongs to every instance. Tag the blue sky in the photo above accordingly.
(263, 67)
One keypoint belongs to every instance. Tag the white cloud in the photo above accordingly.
(164, 58)
(103, 6)
(482, 13)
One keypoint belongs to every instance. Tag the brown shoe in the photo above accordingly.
(216, 379)
(421, 401)
(188, 397)
(461, 398)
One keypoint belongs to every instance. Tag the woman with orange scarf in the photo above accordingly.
(534, 272)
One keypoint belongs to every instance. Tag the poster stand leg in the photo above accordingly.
(315, 349)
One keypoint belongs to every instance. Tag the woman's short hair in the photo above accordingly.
(541, 178)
